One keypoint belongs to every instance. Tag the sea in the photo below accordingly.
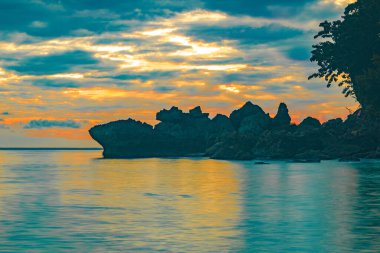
(75, 201)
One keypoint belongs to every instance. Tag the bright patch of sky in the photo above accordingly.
(117, 59)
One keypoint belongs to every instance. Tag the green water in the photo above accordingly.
(71, 201)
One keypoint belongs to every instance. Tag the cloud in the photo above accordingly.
(258, 8)
(164, 89)
(38, 24)
(41, 124)
(245, 34)
(133, 57)
(54, 63)
(18, 15)
(145, 76)
(299, 53)
(43, 18)
(53, 84)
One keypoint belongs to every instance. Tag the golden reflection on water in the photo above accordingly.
(185, 195)
(52, 199)
(2, 176)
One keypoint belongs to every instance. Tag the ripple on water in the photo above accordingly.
(69, 201)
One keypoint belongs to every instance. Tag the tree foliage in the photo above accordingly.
(348, 52)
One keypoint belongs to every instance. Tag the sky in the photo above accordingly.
(67, 65)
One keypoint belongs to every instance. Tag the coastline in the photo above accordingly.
(248, 133)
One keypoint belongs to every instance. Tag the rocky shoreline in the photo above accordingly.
(248, 133)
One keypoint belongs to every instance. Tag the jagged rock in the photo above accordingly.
(172, 115)
(282, 117)
(250, 119)
(373, 154)
(249, 133)
(247, 110)
(333, 123)
(229, 150)
(222, 124)
(310, 122)
(254, 124)
(196, 112)
(187, 132)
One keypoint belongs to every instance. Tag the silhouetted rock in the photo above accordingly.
(250, 119)
(222, 120)
(248, 134)
(222, 124)
(185, 133)
(310, 122)
(333, 124)
(254, 124)
(244, 112)
(282, 117)
(172, 115)
(196, 112)
(125, 138)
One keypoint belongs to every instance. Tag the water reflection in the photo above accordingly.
(291, 204)
(177, 201)
(123, 204)
(71, 201)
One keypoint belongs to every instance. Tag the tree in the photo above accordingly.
(349, 53)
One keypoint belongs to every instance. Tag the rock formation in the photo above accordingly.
(282, 117)
(249, 133)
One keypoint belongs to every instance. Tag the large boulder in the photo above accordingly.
(125, 138)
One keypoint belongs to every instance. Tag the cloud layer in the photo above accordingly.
(118, 59)
(40, 124)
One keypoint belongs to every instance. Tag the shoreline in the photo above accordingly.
(247, 133)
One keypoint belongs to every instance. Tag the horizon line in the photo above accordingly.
(50, 148)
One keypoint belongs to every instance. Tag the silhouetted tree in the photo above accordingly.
(349, 52)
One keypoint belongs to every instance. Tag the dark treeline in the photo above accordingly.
(349, 53)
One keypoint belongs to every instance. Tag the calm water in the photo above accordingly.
(70, 201)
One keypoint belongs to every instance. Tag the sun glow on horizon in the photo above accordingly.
(116, 66)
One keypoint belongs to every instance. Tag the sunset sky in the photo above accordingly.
(67, 65)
